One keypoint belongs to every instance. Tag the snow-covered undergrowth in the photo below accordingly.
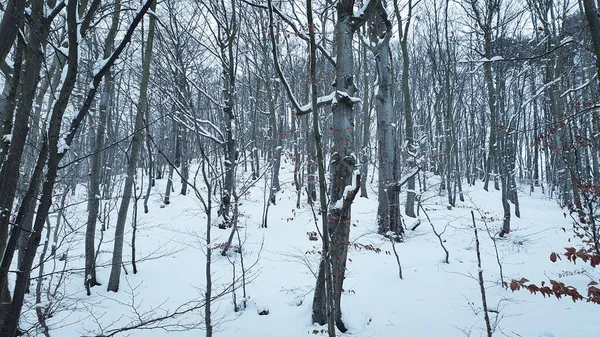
(433, 299)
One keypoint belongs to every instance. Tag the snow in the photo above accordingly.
(361, 11)
(583, 85)
(433, 299)
(352, 99)
(352, 186)
(566, 39)
(407, 176)
(7, 138)
(98, 66)
(320, 100)
(541, 90)
(481, 60)
(339, 203)
(62, 145)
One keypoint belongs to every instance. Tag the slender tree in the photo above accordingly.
(134, 154)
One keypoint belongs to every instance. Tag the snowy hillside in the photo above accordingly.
(432, 299)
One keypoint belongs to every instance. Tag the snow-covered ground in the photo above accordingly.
(433, 298)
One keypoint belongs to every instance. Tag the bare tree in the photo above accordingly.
(97, 156)
(134, 154)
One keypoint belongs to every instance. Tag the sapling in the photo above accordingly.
(439, 235)
(480, 276)
(397, 257)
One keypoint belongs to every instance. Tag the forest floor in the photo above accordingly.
(432, 299)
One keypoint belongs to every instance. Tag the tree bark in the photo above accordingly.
(136, 144)
(343, 158)
(323, 308)
(411, 149)
(9, 325)
(9, 173)
(366, 125)
(97, 162)
(591, 14)
(11, 21)
(384, 109)
(228, 59)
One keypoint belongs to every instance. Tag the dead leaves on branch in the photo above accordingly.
(585, 255)
(556, 288)
(559, 289)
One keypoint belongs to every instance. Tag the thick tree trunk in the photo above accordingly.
(9, 325)
(11, 21)
(384, 109)
(343, 159)
(591, 14)
(9, 173)
(26, 210)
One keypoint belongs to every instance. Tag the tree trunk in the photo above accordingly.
(411, 148)
(228, 69)
(343, 159)
(323, 308)
(274, 134)
(136, 144)
(384, 109)
(11, 21)
(11, 320)
(185, 163)
(9, 173)
(591, 14)
(297, 160)
(366, 125)
(175, 157)
(97, 163)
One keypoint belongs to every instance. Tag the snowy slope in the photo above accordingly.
(433, 299)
